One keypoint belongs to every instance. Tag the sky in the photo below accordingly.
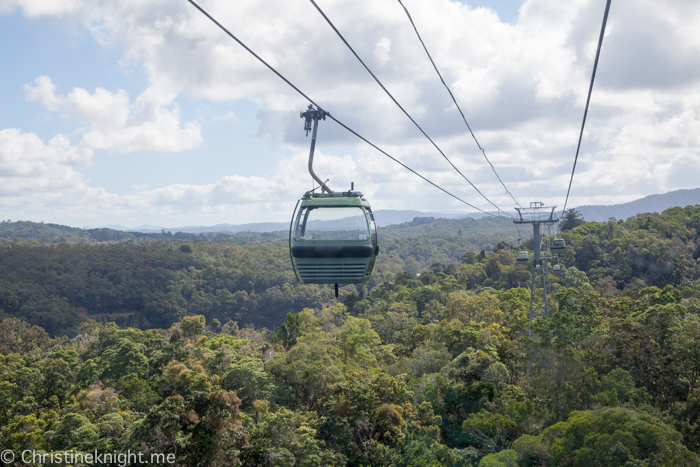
(144, 112)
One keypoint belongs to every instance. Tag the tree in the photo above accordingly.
(126, 359)
(473, 309)
(203, 429)
(285, 437)
(308, 369)
(429, 357)
(16, 336)
(364, 410)
(248, 378)
(74, 431)
(615, 437)
(357, 340)
(572, 219)
(506, 458)
(502, 245)
(468, 258)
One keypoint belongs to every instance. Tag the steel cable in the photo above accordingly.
(400, 106)
(483, 151)
(204, 12)
(588, 100)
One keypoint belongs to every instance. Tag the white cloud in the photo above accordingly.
(382, 50)
(42, 179)
(152, 123)
(522, 87)
(25, 159)
(38, 178)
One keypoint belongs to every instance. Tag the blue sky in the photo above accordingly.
(110, 117)
(72, 58)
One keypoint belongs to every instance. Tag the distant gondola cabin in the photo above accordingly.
(558, 246)
(523, 257)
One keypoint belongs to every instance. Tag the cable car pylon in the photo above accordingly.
(537, 215)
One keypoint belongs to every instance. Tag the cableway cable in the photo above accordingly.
(588, 100)
(483, 151)
(407, 167)
(400, 107)
(331, 116)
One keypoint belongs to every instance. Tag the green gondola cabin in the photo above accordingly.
(523, 257)
(333, 238)
(558, 246)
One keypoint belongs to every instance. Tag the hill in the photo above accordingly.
(405, 218)
(157, 279)
(56, 233)
(493, 228)
(383, 217)
(484, 233)
(651, 203)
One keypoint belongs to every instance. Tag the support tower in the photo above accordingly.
(537, 215)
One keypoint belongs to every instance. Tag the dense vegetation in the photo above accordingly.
(55, 233)
(483, 233)
(158, 280)
(408, 370)
(486, 229)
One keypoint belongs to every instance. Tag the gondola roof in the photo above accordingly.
(347, 198)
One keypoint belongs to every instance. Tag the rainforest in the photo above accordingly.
(205, 347)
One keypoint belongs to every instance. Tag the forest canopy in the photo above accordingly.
(209, 350)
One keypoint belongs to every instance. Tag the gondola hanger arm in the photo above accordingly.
(314, 115)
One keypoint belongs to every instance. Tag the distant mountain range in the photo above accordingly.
(386, 217)
(651, 203)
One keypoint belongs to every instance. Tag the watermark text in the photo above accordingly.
(121, 459)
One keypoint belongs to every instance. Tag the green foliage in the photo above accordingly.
(309, 369)
(249, 380)
(571, 219)
(507, 458)
(357, 341)
(286, 438)
(150, 284)
(614, 437)
(411, 370)
(16, 336)
(55, 233)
